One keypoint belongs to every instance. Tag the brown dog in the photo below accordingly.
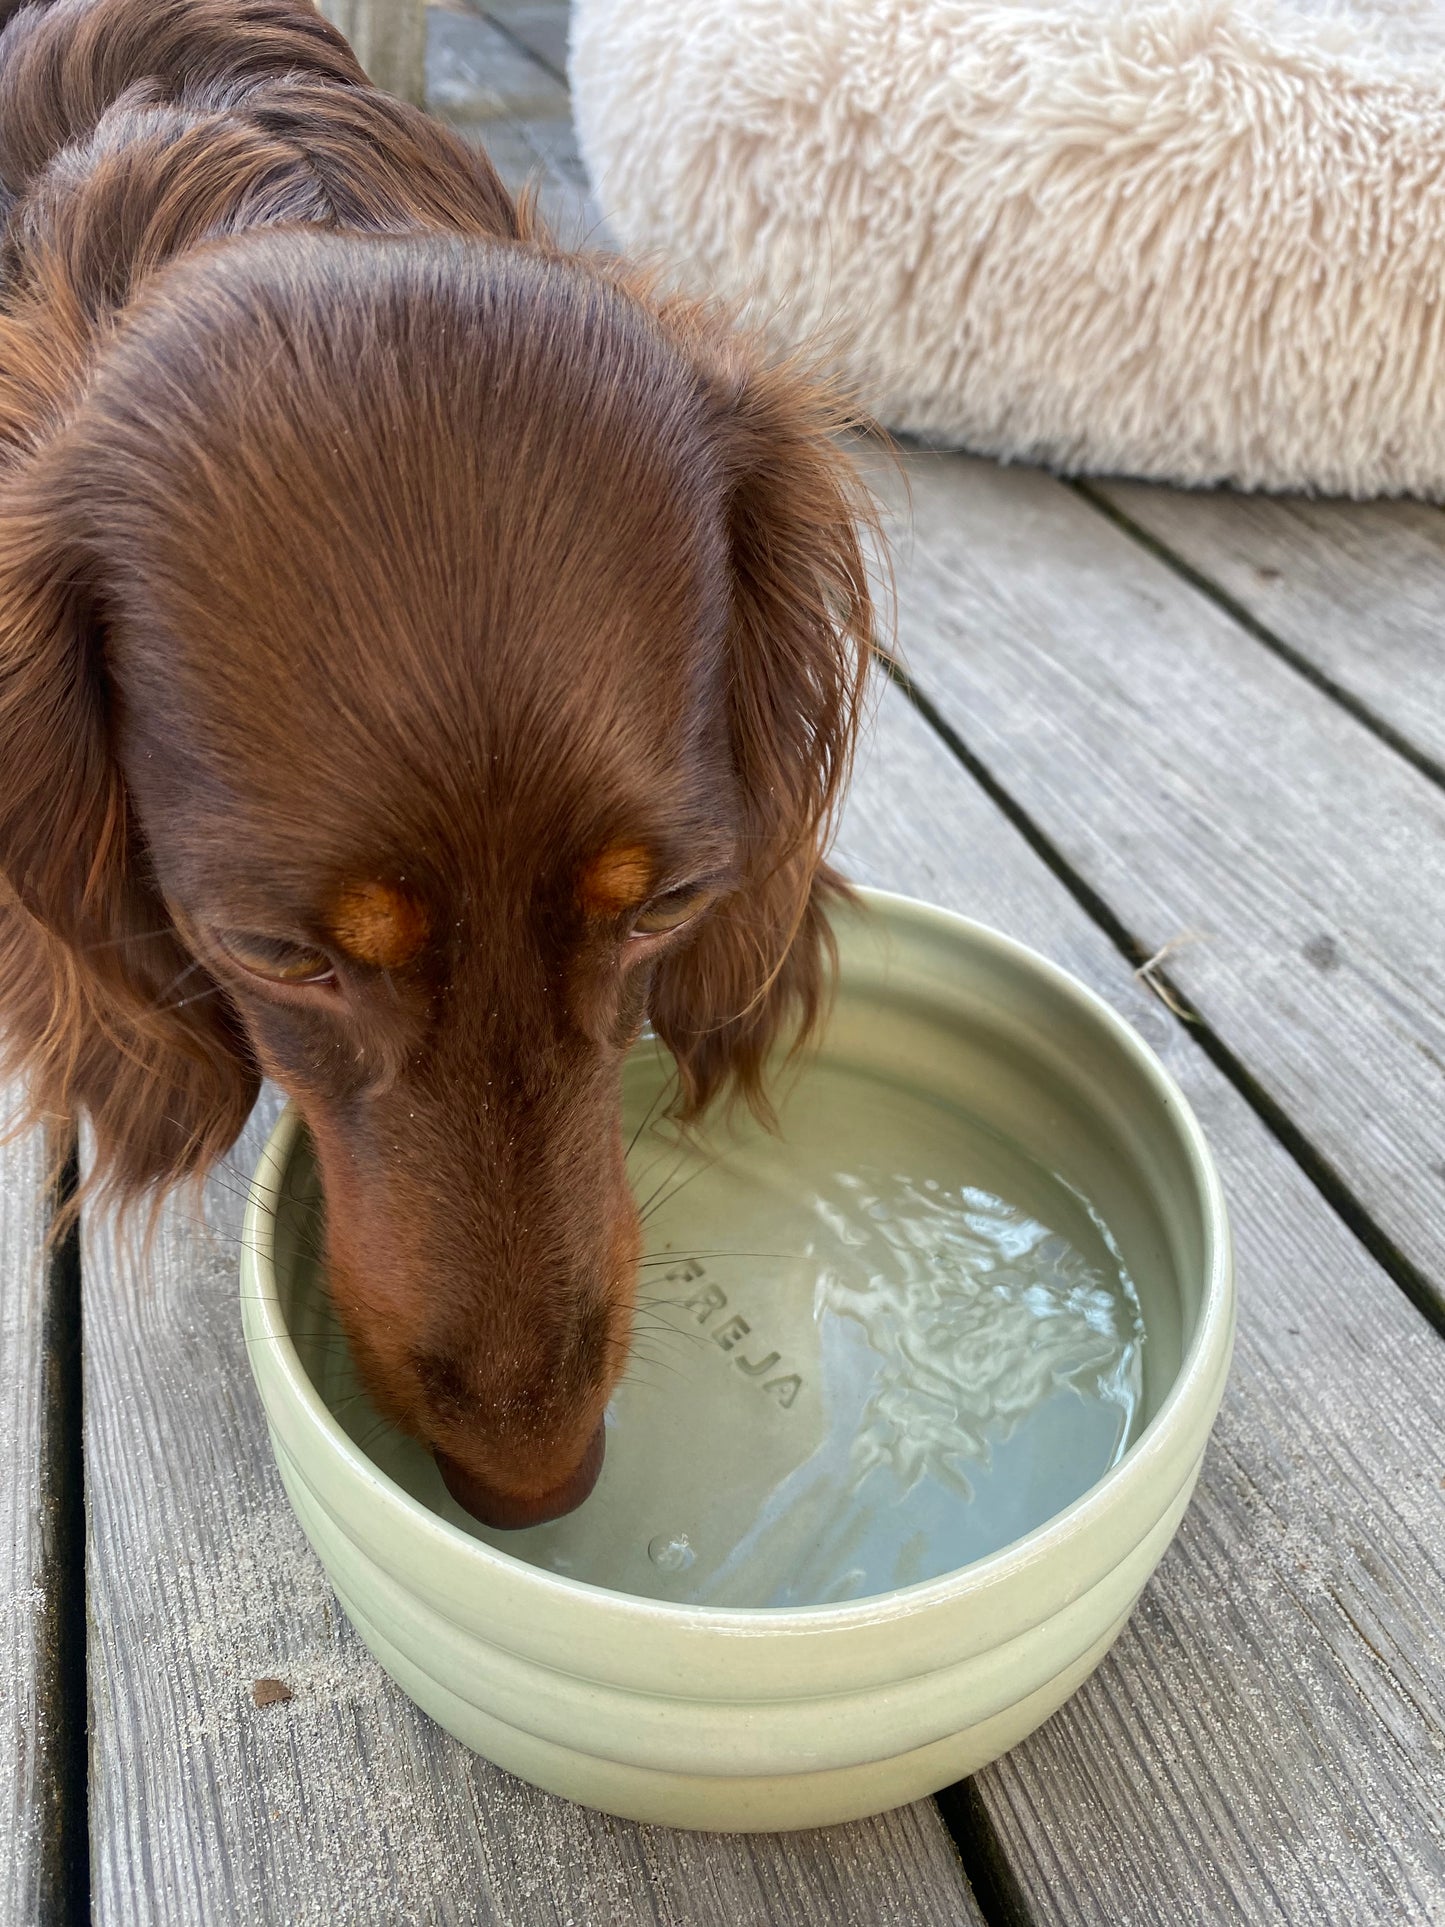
(424, 655)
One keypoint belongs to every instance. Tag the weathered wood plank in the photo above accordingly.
(1266, 1742)
(1356, 589)
(389, 37)
(1208, 795)
(43, 1873)
(344, 1804)
(483, 80)
(543, 154)
(540, 25)
(25, 1795)
(475, 72)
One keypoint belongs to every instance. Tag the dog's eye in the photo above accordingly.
(276, 960)
(670, 911)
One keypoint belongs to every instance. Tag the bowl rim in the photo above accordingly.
(1194, 1393)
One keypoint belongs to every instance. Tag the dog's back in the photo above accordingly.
(134, 130)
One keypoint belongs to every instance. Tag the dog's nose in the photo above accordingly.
(508, 1511)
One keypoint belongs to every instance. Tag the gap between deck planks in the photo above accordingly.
(540, 26)
(1208, 796)
(44, 1866)
(1266, 1743)
(28, 1790)
(1353, 591)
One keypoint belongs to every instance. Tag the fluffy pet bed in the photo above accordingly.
(1201, 240)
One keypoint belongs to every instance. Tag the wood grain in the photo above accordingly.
(476, 73)
(483, 78)
(542, 155)
(540, 26)
(344, 1804)
(1210, 797)
(389, 38)
(25, 1794)
(1266, 1742)
(1355, 589)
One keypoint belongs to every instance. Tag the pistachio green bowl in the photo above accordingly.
(947, 1356)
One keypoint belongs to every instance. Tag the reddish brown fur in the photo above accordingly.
(350, 532)
(616, 879)
(379, 924)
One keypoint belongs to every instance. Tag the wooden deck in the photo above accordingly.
(1131, 725)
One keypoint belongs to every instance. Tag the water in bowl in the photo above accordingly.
(869, 1351)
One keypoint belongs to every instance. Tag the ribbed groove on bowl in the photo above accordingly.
(720, 1801)
(750, 1735)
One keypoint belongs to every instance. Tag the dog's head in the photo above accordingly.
(420, 663)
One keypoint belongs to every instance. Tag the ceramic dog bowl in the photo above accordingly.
(920, 1394)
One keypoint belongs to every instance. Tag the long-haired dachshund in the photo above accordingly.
(425, 655)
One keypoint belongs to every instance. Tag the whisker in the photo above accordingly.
(658, 1096)
(656, 1203)
(692, 1257)
(175, 983)
(372, 1434)
(638, 1178)
(212, 990)
(644, 1210)
(654, 1364)
(131, 936)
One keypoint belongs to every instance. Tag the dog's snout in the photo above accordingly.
(515, 1422)
(495, 1334)
(509, 1509)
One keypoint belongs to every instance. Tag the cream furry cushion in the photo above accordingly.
(1194, 239)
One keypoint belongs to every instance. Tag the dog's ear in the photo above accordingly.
(759, 971)
(105, 1012)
